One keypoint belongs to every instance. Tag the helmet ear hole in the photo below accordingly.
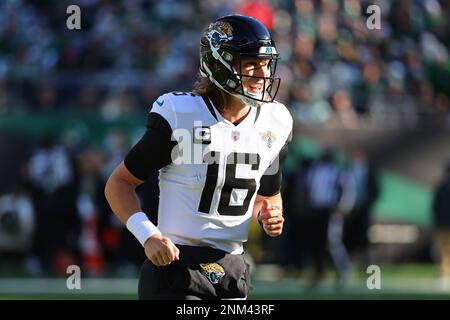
(227, 56)
(231, 84)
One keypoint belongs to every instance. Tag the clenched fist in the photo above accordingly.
(161, 251)
(271, 218)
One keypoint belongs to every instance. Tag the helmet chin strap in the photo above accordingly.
(246, 100)
(249, 101)
(252, 103)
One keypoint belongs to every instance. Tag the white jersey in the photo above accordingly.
(207, 194)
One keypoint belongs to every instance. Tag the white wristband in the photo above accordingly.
(141, 227)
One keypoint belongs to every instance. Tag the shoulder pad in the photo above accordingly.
(163, 106)
(182, 102)
(172, 106)
(280, 113)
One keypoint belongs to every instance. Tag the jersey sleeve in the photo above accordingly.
(270, 183)
(154, 150)
(164, 107)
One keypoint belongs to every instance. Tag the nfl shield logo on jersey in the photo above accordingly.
(212, 271)
(235, 135)
(268, 137)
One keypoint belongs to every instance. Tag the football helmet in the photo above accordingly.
(223, 46)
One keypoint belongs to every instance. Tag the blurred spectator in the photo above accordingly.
(118, 104)
(17, 222)
(89, 100)
(259, 9)
(346, 186)
(140, 44)
(307, 108)
(54, 189)
(443, 107)
(297, 216)
(344, 111)
(89, 208)
(325, 190)
(370, 87)
(441, 219)
(367, 189)
(319, 196)
(47, 97)
(9, 99)
(116, 145)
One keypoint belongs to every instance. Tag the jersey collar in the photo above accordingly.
(249, 119)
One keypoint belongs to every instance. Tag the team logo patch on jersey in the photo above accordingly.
(268, 137)
(212, 271)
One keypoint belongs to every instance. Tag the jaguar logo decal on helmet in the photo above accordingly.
(218, 32)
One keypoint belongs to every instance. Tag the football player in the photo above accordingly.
(219, 151)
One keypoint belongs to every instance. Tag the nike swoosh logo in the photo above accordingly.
(159, 103)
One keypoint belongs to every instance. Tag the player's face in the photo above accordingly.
(253, 73)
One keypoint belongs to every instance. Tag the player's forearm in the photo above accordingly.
(122, 198)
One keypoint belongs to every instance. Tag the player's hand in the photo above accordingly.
(160, 250)
(271, 218)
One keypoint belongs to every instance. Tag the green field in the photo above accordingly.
(397, 282)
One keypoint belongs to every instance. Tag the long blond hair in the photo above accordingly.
(204, 87)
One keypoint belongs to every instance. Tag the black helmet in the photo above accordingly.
(223, 45)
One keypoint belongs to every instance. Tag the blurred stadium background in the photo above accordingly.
(371, 141)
